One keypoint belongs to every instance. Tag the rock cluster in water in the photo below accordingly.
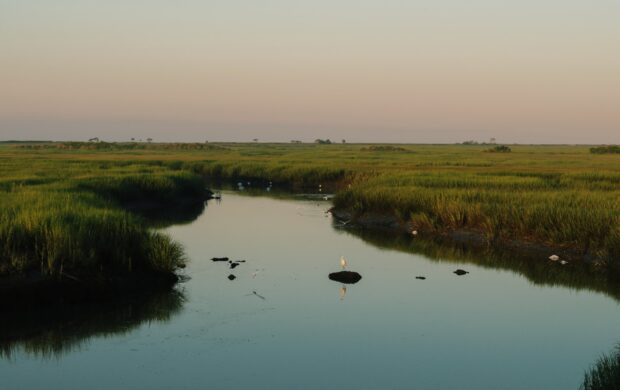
(347, 277)
(232, 264)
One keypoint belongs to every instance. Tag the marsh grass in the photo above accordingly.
(605, 374)
(562, 196)
(563, 210)
(74, 226)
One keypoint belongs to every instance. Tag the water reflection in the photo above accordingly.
(343, 292)
(178, 213)
(532, 265)
(53, 331)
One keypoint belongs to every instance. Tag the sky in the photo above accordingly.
(420, 71)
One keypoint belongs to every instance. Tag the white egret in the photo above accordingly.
(343, 262)
(554, 257)
(414, 233)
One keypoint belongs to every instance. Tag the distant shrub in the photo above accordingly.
(322, 141)
(611, 149)
(499, 149)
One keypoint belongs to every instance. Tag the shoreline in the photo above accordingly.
(35, 289)
(392, 224)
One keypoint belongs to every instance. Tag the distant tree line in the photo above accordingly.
(611, 149)
(384, 148)
(492, 141)
(101, 145)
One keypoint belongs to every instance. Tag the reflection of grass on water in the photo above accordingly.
(605, 374)
(534, 266)
(59, 329)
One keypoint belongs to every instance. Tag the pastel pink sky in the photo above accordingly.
(545, 71)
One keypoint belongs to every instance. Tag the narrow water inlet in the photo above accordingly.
(281, 303)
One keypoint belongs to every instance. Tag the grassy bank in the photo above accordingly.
(558, 196)
(570, 210)
(67, 220)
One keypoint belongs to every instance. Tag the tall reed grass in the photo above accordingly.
(75, 226)
(605, 374)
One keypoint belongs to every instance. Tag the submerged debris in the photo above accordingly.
(421, 277)
(258, 295)
(219, 258)
(460, 272)
(232, 277)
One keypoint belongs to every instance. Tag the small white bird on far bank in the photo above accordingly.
(343, 262)
(554, 257)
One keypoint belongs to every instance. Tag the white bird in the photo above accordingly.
(563, 262)
(414, 233)
(554, 257)
(343, 262)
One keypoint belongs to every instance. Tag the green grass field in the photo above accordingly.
(56, 198)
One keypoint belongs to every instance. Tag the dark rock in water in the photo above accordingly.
(347, 277)
(460, 272)
(233, 265)
(232, 277)
(239, 261)
(219, 258)
(421, 277)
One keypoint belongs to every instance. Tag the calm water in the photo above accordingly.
(283, 324)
